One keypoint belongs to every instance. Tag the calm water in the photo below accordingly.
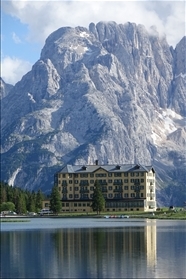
(93, 248)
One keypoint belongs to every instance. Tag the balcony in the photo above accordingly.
(118, 183)
(104, 190)
(65, 191)
(84, 198)
(151, 195)
(102, 183)
(118, 190)
(83, 183)
(83, 191)
(117, 197)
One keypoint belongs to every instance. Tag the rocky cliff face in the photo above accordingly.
(5, 88)
(112, 92)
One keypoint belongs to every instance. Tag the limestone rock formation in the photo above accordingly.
(113, 92)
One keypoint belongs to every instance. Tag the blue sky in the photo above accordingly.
(15, 41)
(26, 24)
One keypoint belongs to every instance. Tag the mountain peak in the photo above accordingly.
(114, 92)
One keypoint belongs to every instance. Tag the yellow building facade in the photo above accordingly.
(128, 187)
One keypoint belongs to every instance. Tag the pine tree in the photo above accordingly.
(3, 195)
(98, 201)
(21, 203)
(55, 200)
(31, 203)
(39, 199)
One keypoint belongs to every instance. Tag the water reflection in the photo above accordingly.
(127, 252)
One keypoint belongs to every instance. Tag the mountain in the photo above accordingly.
(113, 92)
(5, 88)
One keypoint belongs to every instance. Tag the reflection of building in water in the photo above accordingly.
(107, 251)
(151, 242)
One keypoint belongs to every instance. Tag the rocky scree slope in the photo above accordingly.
(113, 92)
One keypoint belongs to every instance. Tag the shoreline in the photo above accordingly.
(116, 217)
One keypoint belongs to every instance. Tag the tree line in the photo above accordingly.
(19, 200)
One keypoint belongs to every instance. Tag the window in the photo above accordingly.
(125, 180)
(91, 188)
(132, 180)
(67, 204)
(91, 195)
(84, 182)
(125, 174)
(70, 181)
(84, 175)
(76, 181)
(76, 196)
(110, 181)
(137, 173)
(70, 188)
(141, 195)
(110, 187)
(132, 195)
(84, 196)
(142, 173)
(91, 181)
(117, 180)
(70, 175)
(101, 174)
(142, 180)
(137, 181)
(70, 196)
(141, 187)
(126, 187)
(132, 187)
(110, 195)
(109, 174)
(92, 175)
(126, 195)
(75, 204)
(84, 204)
(76, 188)
(132, 174)
(116, 174)
(64, 175)
(76, 175)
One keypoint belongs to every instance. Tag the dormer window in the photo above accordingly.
(84, 167)
(118, 167)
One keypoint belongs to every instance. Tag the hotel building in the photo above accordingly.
(125, 187)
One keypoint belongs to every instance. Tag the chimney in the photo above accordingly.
(96, 162)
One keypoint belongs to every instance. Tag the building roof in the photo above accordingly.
(108, 168)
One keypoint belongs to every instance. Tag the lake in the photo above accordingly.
(93, 248)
